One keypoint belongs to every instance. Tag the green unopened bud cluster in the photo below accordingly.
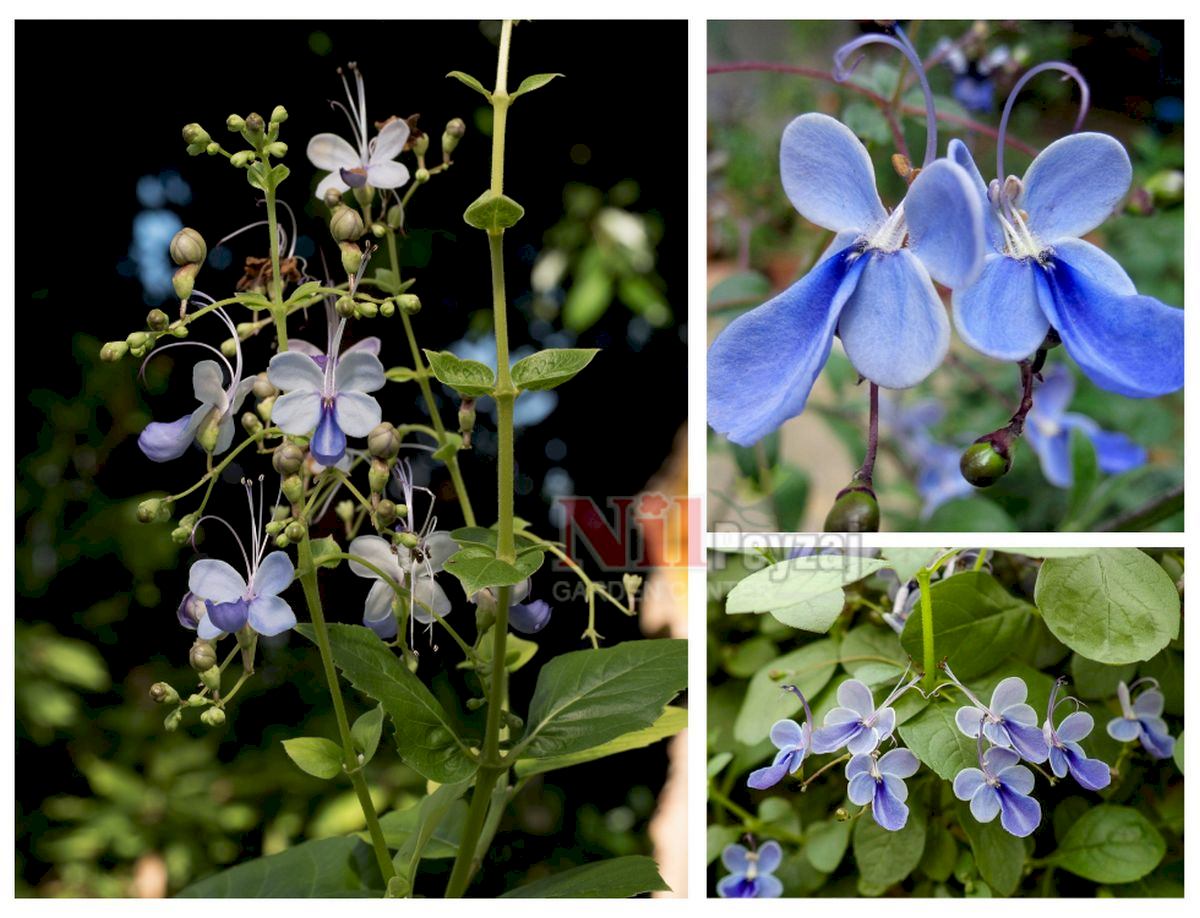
(154, 510)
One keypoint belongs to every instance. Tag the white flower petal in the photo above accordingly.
(440, 547)
(297, 412)
(209, 384)
(270, 615)
(387, 175)
(332, 180)
(293, 370)
(379, 602)
(389, 142)
(370, 345)
(273, 575)
(359, 371)
(216, 581)
(329, 151)
(378, 552)
(428, 594)
(357, 413)
(300, 346)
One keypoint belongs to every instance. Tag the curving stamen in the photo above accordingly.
(174, 344)
(1068, 71)
(795, 690)
(356, 114)
(237, 538)
(238, 232)
(962, 688)
(842, 72)
(1132, 685)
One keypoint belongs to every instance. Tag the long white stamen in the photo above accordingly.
(237, 538)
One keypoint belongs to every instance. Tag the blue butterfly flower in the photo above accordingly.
(751, 872)
(1000, 785)
(1142, 720)
(879, 781)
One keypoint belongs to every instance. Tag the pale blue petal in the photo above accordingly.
(866, 740)
(295, 370)
(996, 733)
(1028, 741)
(359, 371)
(1123, 730)
(786, 734)
(271, 615)
(968, 719)
(828, 176)
(1053, 452)
(858, 765)
(885, 722)
(855, 695)
(440, 546)
(832, 737)
(861, 789)
(842, 716)
(225, 431)
(945, 224)
(1018, 779)
(216, 581)
(1075, 726)
(1008, 692)
(958, 153)
(985, 803)
(531, 617)
(1092, 774)
(297, 412)
(1052, 398)
(763, 778)
(273, 575)
(1058, 762)
(1149, 704)
(1000, 314)
(770, 855)
(736, 858)
(377, 611)
(206, 629)
(1131, 345)
(1155, 739)
(378, 552)
(208, 384)
(357, 413)
(763, 365)
(1116, 453)
(370, 345)
(769, 887)
(1019, 815)
(1074, 185)
(999, 758)
(429, 595)
(163, 441)
(899, 762)
(894, 327)
(967, 782)
(896, 787)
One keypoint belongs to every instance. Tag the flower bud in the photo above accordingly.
(395, 216)
(344, 510)
(279, 115)
(241, 159)
(184, 279)
(378, 476)
(421, 176)
(163, 693)
(264, 408)
(854, 510)
(275, 527)
(196, 701)
(474, 704)
(383, 441)
(293, 488)
(203, 656)
(157, 320)
(114, 351)
(281, 541)
(211, 678)
(254, 127)
(263, 387)
(288, 459)
(180, 535)
(213, 717)
(235, 124)
(1165, 188)
(378, 230)
(366, 309)
(466, 417)
(188, 247)
(409, 303)
(345, 306)
(278, 149)
(333, 198)
(485, 615)
(294, 531)
(154, 510)
(352, 257)
(387, 309)
(194, 135)
(229, 347)
(173, 720)
(408, 540)
(455, 128)
(210, 431)
(178, 331)
(985, 462)
(421, 145)
(385, 512)
(250, 423)
(512, 721)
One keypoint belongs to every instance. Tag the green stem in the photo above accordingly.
(927, 629)
(278, 310)
(312, 595)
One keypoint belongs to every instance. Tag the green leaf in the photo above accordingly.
(717, 838)
(341, 866)
(477, 567)
(970, 514)
(802, 592)
(366, 732)
(318, 757)
(827, 843)
(616, 878)
(670, 722)
(1114, 606)
(493, 212)
(517, 652)
(425, 736)
(551, 367)
(907, 561)
(589, 295)
(467, 80)
(884, 857)
(466, 377)
(1178, 755)
(402, 374)
(941, 853)
(999, 856)
(1052, 552)
(1110, 844)
(444, 806)
(304, 291)
(976, 623)
(789, 495)
(400, 825)
(867, 122)
(934, 738)
(810, 668)
(1092, 681)
(717, 763)
(323, 551)
(1085, 474)
(866, 648)
(530, 83)
(585, 698)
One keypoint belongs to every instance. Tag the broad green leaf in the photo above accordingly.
(867, 122)
(466, 377)
(589, 295)
(366, 732)
(1000, 857)
(493, 212)
(789, 495)
(425, 737)
(810, 668)
(717, 839)
(907, 561)
(938, 743)
(467, 80)
(884, 857)
(670, 722)
(1178, 755)
(530, 83)
(616, 878)
(941, 853)
(976, 623)
(586, 698)
(551, 367)
(313, 755)
(969, 514)
(326, 867)
(1110, 844)
(802, 592)
(477, 567)
(399, 826)
(872, 654)
(443, 805)
(517, 652)
(745, 659)
(1092, 681)
(827, 843)
(717, 764)
(1052, 552)
(480, 535)
(1114, 606)
(304, 291)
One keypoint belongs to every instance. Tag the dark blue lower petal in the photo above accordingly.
(889, 810)
(228, 616)
(529, 618)
(1029, 742)
(1131, 345)
(828, 739)
(1019, 815)
(1091, 774)
(762, 778)
(736, 886)
(1159, 745)
(763, 365)
(328, 443)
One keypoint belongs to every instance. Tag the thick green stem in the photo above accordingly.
(308, 581)
(927, 629)
(278, 310)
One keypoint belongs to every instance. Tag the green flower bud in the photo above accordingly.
(279, 115)
(293, 488)
(213, 149)
(178, 331)
(213, 717)
(173, 720)
(409, 303)
(512, 720)
(288, 459)
(295, 531)
(278, 149)
(157, 319)
(244, 330)
(378, 230)
(345, 307)
(1166, 187)
(281, 541)
(263, 387)
(163, 693)
(455, 128)
(420, 145)
(383, 442)
(387, 309)
(154, 510)
(250, 423)
(275, 527)
(229, 347)
(180, 535)
(255, 126)
(385, 512)
(421, 176)
(203, 656)
(466, 416)
(210, 431)
(235, 123)
(366, 310)
(378, 476)
(196, 701)
(114, 351)
(137, 339)
(408, 539)
(344, 510)
(264, 408)
(345, 224)
(474, 704)
(241, 159)
(854, 510)
(395, 216)
(184, 279)
(333, 198)
(194, 135)
(352, 257)
(364, 195)
(985, 462)
(485, 615)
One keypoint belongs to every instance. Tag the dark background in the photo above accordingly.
(89, 577)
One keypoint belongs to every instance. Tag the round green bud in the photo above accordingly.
(387, 309)
(352, 257)
(157, 320)
(420, 145)
(235, 123)
(385, 512)
(281, 541)
(408, 539)
(854, 510)
(250, 423)
(188, 247)
(203, 656)
(194, 134)
(180, 535)
(213, 149)
(474, 704)
(255, 124)
(294, 531)
(279, 115)
(173, 720)
(344, 510)
(293, 488)
(364, 195)
(378, 476)
(983, 464)
(409, 303)
(213, 717)
(395, 216)
(1166, 187)
(366, 310)
(178, 330)
(383, 442)
(345, 307)
(196, 701)
(345, 224)
(114, 351)
(244, 330)
(288, 459)
(184, 279)
(466, 416)
(137, 339)
(241, 159)
(229, 347)
(378, 230)
(421, 176)
(333, 198)
(485, 615)
(275, 527)
(278, 149)
(514, 722)
(163, 693)
(263, 387)
(149, 510)
(455, 128)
